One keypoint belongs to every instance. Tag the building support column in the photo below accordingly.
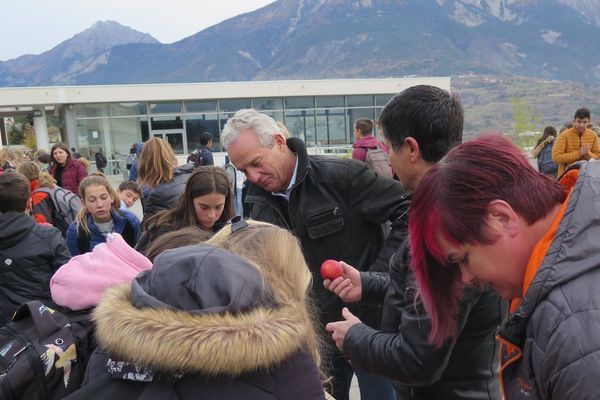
(40, 125)
(70, 126)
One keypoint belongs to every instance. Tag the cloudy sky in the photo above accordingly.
(34, 26)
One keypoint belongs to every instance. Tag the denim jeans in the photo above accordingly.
(372, 387)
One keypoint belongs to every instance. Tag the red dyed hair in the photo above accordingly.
(452, 200)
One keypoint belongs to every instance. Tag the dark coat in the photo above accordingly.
(30, 253)
(165, 195)
(201, 324)
(336, 209)
(73, 173)
(461, 370)
(557, 323)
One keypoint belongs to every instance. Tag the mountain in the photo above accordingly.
(71, 57)
(308, 39)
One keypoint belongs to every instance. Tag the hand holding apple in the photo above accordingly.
(347, 285)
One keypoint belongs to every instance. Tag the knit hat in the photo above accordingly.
(80, 283)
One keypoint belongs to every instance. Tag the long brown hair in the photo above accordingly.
(204, 180)
(61, 146)
(156, 163)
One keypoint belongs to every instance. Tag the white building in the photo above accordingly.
(113, 117)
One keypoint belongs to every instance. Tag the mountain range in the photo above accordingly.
(310, 39)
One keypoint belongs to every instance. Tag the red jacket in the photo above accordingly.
(360, 147)
(72, 174)
(41, 204)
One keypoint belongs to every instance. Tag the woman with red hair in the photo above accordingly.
(483, 216)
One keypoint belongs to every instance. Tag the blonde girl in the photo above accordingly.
(99, 216)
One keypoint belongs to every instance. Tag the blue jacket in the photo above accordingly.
(133, 172)
(120, 220)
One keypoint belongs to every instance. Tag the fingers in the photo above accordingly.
(342, 287)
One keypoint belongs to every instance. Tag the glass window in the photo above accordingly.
(359, 101)
(331, 129)
(330, 101)
(166, 107)
(125, 132)
(201, 106)
(268, 103)
(196, 124)
(126, 109)
(166, 122)
(90, 135)
(382, 99)
(233, 105)
(91, 110)
(301, 124)
(300, 102)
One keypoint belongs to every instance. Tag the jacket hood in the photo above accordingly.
(575, 240)
(366, 142)
(200, 310)
(184, 169)
(14, 226)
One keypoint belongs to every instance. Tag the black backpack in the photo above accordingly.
(66, 206)
(43, 354)
(545, 163)
(197, 157)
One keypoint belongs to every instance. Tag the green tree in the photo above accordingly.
(526, 122)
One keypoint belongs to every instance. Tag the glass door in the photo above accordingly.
(175, 138)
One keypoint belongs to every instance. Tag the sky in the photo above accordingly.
(34, 26)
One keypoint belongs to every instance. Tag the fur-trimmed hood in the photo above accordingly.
(135, 327)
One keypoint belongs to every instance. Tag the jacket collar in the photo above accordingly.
(173, 341)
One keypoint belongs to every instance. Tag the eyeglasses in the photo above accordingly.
(238, 223)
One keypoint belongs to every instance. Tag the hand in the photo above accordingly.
(583, 150)
(338, 329)
(347, 287)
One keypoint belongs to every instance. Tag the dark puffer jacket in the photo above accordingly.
(73, 173)
(30, 253)
(555, 329)
(201, 324)
(336, 209)
(165, 195)
(465, 369)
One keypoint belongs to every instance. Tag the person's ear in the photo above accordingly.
(280, 142)
(502, 218)
(414, 151)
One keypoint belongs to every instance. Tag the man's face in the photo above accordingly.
(581, 124)
(400, 162)
(357, 134)
(266, 167)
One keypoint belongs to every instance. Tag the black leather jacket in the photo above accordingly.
(466, 369)
(336, 208)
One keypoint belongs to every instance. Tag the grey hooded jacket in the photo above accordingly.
(557, 326)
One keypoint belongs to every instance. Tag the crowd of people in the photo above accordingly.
(449, 252)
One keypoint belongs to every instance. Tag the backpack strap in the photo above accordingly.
(83, 240)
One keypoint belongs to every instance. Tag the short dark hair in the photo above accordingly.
(582, 113)
(364, 125)
(430, 115)
(130, 185)
(14, 192)
(205, 137)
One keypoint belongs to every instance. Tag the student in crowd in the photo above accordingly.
(129, 193)
(161, 179)
(334, 206)
(228, 319)
(42, 158)
(99, 216)
(207, 202)
(543, 152)
(576, 143)
(137, 150)
(8, 159)
(67, 171)
(202, 155)
(42, 207)
(531, 239)
(420, 125)
(29, 252)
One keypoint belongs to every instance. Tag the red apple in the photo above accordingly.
(331, 269)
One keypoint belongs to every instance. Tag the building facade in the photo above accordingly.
(113, 117)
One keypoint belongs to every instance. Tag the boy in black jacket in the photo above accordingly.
(30, 253)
